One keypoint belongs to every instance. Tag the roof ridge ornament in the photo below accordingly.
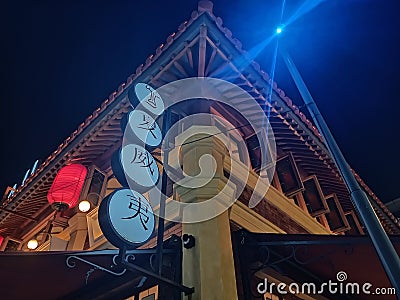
(205, 5)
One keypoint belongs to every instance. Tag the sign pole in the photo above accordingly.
(161, 215)
(383, 246)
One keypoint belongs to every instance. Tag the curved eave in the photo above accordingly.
(100, 132)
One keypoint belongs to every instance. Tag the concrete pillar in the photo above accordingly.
(78, 231)
(209, 266)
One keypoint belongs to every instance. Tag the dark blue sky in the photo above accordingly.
(61, 59)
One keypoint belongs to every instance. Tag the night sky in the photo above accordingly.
(61, 59)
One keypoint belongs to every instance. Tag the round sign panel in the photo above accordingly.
(144, 128)
(139, 166)
(126, 218)
(144, 96)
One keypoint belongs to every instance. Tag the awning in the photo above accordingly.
(81, 275)
(315, 259)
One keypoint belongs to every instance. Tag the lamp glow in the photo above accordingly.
(279, 30)
(67, 186)
(84, 206)
(32, 244)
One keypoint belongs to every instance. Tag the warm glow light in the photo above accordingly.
(84, 206)
(67, 186)
(32, 244)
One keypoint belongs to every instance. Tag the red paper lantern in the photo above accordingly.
(67, 186)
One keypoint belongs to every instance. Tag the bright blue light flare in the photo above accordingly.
(279, 30)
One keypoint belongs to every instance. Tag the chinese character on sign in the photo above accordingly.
(139, 167)
(152, 98)
(148, 124)
(140, 209)
(145, 128)
(144, 159)
(148, 98)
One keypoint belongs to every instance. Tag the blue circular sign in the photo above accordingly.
(126, 218)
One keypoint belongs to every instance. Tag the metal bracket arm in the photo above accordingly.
(72, 264)
(132, 267)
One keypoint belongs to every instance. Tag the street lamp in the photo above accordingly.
(383, 246)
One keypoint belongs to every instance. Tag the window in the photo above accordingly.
(336, 219)
(11, 245)
(94, 187)
(313, 197)
(355, 226)
(288, 175)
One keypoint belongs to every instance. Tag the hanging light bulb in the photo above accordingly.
(84, 206)
(32, 244)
